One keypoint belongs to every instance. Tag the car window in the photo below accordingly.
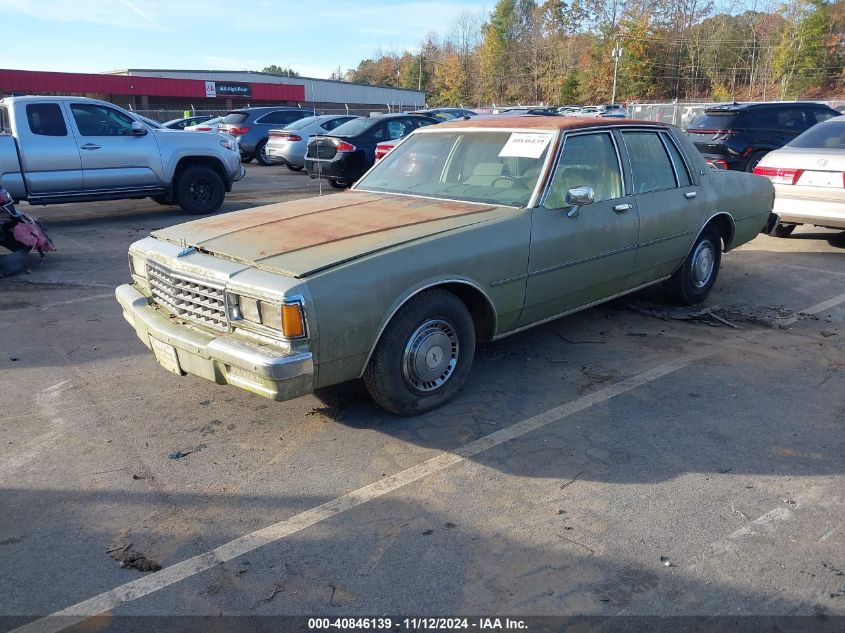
(333, 123)
(4, 120)
(45, 119)
(356, 127)
(301, 123)
(423, 122)
(281, 116)
(651, 169)
(681, 170)
(817, 115)
(587, 160)
(234, 118)
(396, 129)
(97, 120)
(713, 120)
(791, 118)
(830, 135)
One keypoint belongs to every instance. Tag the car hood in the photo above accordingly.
(302, 237)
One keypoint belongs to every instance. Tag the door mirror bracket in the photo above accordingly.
(578, 197)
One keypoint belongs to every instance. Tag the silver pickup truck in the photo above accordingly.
(73, 149)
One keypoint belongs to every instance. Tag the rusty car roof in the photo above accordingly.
(551, 123)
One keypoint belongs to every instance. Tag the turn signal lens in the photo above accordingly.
(138, 265)
(293, 320)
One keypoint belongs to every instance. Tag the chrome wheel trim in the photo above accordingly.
(263, 152)
(703, 264)
(431, 356)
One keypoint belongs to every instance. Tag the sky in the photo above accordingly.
(313, 38)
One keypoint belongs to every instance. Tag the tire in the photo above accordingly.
(339, 183)
(691, 283)
(261, 154)
(755, 158)
(200, 190)
(246, 158)
(162, 200)
(782, 230)
(295, 167)
(400, 376)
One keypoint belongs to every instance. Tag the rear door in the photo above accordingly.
(49, 154)
(113, 158)
(669, 200)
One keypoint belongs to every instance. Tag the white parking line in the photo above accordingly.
(141, 587)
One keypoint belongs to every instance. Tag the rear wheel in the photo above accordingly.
(200, 190)
(424, 355)
(755, 158)
(782, 230)
(339, 183)
(261, 154)
(692, 282)
(294, 167)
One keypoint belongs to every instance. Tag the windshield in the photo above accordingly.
(301, 123)
(354, 127)
(494, 167)
(713, 120)
(827, 135)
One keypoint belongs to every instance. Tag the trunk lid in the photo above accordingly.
(302, 237)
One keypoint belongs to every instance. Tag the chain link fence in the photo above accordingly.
(162, 116)
(682, 114)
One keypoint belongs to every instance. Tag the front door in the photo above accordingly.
(580, 255)
(113, 158)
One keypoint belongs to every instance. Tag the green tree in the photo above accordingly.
(281, 72)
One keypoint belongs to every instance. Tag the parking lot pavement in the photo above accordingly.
(623, 460)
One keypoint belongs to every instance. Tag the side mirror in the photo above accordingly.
(138, 129)
(578, 197)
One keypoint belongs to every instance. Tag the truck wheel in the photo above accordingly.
(424, 355)
(200, 190)
(339, 183)
(691, 283)
(782, 230)
(261, 154)
(294, 167)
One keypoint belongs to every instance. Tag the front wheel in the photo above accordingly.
(261, 154)
(200, 190)
(691, 283)
(424, 355)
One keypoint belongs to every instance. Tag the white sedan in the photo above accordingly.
(809, 178)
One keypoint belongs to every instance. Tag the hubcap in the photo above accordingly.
(703, 261)
(430, 356)
(263, 152)
(201, 190)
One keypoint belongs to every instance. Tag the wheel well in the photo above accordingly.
(205, 161)
(724, 224)
(483, 315)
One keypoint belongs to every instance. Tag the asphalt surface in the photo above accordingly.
(646, 463)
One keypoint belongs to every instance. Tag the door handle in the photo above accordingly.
(619, 208)
(89, 146)
(690, 194)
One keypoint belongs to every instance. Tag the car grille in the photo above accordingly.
(188, 298)
(326, 150)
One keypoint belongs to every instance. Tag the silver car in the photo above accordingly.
(809, 178)
(288, 145)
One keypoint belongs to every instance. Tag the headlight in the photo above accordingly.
(287, 318)
(138, 265)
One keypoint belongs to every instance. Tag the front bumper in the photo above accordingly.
(223, 359)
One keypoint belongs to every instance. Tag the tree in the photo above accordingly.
(281, 72)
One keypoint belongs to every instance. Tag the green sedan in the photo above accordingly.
(466, 232)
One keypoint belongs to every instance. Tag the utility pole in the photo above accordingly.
(419, 81)
(617, 53)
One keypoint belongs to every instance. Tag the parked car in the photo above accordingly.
(344, 154)
(73, 149)
(447, 114)
(591, 111)
(809, 178)
(612, 110)
(288, 145)
(181, 124)
(210, 125)
(535, 111)
(251, 128)
(466, 232)
(569, 110)
(737, 135)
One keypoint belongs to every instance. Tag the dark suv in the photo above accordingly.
(737, 135)
(251, 127)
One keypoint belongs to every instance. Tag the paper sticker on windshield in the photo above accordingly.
(525, 145)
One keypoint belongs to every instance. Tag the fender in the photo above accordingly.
(728, 240)
(414, 291)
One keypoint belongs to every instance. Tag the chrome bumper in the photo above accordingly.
(223, 359)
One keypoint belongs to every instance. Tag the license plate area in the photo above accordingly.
(166, 356)
(821, 179)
